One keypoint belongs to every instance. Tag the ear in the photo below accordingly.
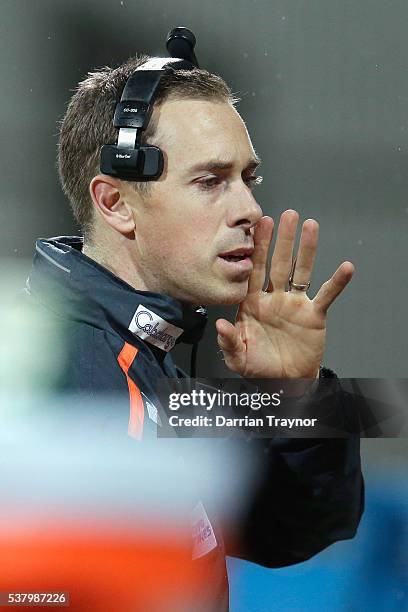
(108, 195)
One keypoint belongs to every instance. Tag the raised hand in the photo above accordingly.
(280, 333)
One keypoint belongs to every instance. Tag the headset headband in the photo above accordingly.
(128, 159)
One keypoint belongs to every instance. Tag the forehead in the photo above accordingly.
(191, 131)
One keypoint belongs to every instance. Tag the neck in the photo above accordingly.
(118, 261)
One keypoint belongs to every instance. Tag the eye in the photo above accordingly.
(253, 180)
(210, 182)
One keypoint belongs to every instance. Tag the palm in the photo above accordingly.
(278, 333)
(284, 336)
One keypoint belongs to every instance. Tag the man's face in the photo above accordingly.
(194, 235)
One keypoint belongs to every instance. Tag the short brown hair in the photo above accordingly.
(88, 124)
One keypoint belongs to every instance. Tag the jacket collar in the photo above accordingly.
(79, 288)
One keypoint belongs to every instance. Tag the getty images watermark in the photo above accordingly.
(323, 408)
(233, 407)
(209, 401)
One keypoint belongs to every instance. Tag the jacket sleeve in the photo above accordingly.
(310, 495)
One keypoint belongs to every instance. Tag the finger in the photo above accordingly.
(262, 239)
(329, 291)
(282, 254)
(306, 253)
(228, 338)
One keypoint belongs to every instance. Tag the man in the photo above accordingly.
(153, 253)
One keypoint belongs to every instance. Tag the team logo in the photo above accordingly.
(152, 328)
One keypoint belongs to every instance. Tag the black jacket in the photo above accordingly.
(311, 493)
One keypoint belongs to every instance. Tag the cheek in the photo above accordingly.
(181, 249)
(169, 247)
(179, 232)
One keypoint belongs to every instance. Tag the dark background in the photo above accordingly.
(324, 87)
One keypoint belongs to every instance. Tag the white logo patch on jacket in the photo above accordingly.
(152, 328)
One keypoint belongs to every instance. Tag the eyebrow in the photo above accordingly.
(218, 164)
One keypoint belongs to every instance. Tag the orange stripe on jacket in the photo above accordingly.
(136, 416)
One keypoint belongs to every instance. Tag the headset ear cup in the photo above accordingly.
(140, 164)
(120, 162)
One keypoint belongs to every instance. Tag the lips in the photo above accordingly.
(237, 263)
(239, 254)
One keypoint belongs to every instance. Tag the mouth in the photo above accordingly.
(238, 259)
(237, 254)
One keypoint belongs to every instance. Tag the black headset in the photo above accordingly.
(128, 159)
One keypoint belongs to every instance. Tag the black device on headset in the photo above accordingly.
(128, 159)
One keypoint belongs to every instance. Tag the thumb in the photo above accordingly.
(228, 338)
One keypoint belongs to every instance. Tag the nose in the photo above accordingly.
(244, 210)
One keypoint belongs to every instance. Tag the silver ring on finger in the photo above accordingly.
(298, 286)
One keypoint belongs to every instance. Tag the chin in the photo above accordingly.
(229, 295)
